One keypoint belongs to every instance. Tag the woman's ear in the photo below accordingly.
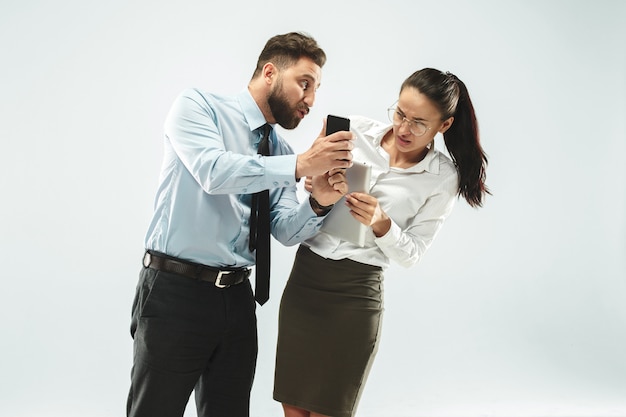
(446, 125)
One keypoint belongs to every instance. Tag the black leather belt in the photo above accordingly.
(223, 278)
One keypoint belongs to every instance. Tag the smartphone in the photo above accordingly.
(336, 123)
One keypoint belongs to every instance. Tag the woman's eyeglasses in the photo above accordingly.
(397, 118)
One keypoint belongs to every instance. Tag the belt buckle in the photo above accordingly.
(218, 280)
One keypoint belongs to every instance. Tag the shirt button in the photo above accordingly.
(276, 183)
(286, 182)
(245, 190)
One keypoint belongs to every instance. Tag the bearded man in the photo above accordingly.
(194, 314)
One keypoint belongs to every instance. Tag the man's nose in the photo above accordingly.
(309, 98)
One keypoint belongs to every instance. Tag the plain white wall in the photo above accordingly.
(516, 310)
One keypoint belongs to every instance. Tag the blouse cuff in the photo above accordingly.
(392, 236)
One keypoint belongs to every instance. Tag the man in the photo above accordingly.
(193, 322)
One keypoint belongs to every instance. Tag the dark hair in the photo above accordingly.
(285, 50)
(462, 140)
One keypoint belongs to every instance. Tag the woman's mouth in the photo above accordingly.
(402, 142)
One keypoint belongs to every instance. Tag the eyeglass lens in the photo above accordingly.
(417, 128)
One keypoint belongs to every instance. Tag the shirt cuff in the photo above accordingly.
(280, 170)
(392, 236)
(311, 223)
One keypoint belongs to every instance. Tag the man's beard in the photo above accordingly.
(283, 112)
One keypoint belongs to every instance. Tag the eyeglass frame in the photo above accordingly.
(391, 117)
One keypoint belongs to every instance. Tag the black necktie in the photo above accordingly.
(260, 230)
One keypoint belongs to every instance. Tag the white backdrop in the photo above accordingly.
(517, 309)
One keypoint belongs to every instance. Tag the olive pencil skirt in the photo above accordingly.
(329, 327)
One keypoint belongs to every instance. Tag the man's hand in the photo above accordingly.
(328, 188)
(325, 154)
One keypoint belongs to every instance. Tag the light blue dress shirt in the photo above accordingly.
(210, 169)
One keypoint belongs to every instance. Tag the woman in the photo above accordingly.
(331, 310)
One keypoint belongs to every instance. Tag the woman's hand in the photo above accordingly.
(365, 209)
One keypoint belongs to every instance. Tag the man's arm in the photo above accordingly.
(197, 141)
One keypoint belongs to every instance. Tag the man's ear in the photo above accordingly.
(269, 71)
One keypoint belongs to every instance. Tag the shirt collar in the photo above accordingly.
(251, 111)
(430, 163)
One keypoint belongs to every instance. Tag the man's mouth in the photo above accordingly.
(303, 111)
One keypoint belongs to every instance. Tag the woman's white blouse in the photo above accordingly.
(417, 199)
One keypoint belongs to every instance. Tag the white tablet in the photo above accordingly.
(339, 222)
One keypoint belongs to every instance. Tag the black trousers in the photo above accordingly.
(190, 334)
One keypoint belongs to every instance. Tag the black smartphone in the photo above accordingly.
(336, 123)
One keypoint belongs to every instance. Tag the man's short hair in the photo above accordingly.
(285, 50)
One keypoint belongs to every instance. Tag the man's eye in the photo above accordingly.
(304, 84)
